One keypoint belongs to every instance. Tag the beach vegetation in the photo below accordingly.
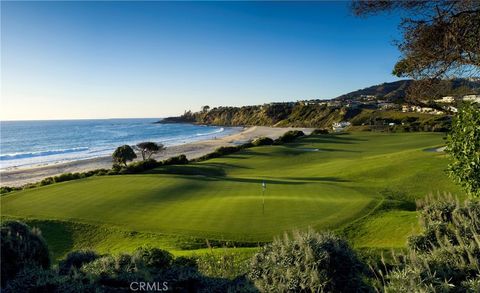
(289, 136)
(123, 154)
(262, 141)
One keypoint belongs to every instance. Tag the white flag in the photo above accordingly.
(264, 185)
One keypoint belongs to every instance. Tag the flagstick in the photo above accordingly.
(263, 201)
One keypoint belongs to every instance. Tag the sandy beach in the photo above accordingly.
(24, 175)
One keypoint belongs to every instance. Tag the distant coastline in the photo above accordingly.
(24, 175)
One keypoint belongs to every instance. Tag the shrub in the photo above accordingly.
(47, 181)
(75, 259)
(221, 151)
(68, 176)
(154, 258)
(463, 146)
(310, 262)
(178, 160)
(21, 247)
(262, 141)
(290, 136)
(319, 131)
(140, 166)
(7, 189)
(446, 256)
(34, 279)
(115, 271)
(246, 145)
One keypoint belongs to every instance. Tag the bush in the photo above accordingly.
(7, 189)
(115, 271)
(75, 260)
(463, 146)
(178, 160)
(140, 166)
(34, 279)
(154, 258)
(319, 131)
(21, 247)
(219, 152)
(308, 262)
(262, 141)
(289, 136)
(446, 256)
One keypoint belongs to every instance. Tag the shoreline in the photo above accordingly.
(31, 174)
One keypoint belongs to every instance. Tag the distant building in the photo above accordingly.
(387, 106)
(446, 100)
(340, 126)
(472, 98)
(451, 109)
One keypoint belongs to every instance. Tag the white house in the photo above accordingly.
(446, 100)
(472, 98)
(340, 126)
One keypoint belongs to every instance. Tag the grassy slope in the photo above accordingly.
(221, 198)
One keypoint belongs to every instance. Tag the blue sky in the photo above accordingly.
(153, 59)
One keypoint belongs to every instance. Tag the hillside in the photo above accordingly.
(397, 90)
(372, 101)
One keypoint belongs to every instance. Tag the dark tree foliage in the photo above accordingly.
(123, 154)
(440, 39)
(75, 260)
(148, 148)
(21, 247)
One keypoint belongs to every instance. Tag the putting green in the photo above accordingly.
(222, 198)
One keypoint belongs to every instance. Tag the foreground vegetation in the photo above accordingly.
(445, 257)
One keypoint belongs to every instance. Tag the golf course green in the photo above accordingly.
(363, 182)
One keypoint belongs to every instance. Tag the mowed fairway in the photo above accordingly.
(322, 181)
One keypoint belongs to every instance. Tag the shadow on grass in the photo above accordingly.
(204, 172)
(318, 179)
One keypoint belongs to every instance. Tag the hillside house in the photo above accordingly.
(445, 100)
(340, 126)
(472, 98)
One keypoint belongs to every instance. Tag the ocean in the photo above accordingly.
(28, 143)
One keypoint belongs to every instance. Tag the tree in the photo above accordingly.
(123, 154)
(148, 148)
(440, 39)
(464, 148)
(205, 109)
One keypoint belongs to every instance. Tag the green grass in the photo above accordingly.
(221, 199)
